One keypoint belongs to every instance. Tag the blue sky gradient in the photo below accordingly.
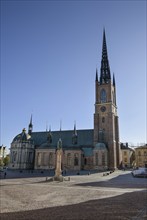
(49, 54)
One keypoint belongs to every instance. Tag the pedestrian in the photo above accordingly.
(5, 175)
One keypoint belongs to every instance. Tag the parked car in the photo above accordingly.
(140, 172)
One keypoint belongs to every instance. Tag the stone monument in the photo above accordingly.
(58, 172)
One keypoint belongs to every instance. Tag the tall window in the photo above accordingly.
(103, 159)
(96, 159)
(39, 159)
(51, 159)
(30, 157)
(125, 153)
(68, 159)
(103, 96)
(76, 160)
(103, 120)
(101, 135)
(14, 156)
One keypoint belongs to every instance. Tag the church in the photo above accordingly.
(97, 148)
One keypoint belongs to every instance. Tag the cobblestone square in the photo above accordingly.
(116, 196)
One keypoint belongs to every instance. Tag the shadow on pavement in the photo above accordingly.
(122, 207)
(118, 182)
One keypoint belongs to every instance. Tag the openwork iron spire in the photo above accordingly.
(105, 75)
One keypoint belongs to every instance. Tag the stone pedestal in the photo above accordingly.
(58, 172)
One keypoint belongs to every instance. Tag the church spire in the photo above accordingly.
(75, 131)
(105, 69)
(30, 126)
(74, 136)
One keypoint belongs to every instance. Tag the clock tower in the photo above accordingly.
(106, 127)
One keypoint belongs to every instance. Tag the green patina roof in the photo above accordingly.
(100, 146)
(87, 151)
(84, 139)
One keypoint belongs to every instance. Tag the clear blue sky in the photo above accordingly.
(49, 54)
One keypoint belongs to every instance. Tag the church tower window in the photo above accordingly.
(103, 96)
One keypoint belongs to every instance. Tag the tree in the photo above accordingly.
(6, 160)
(1, 162)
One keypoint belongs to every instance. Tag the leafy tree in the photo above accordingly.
(1, 162)
(6, 160)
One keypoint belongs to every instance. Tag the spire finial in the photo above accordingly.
(75, 131)
(60, 125)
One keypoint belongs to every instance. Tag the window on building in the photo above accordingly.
(103, 159)
(30, 157)
(43, 159)
(76, 159)
(102, 135)
(103, 120)
(85, 161)
(51, 159)
(68, 159)
(14, 156)
(140, 159)
(125, 160)
(39, 159)
(103, 96)
(125, 153)
(139, 153)
(96, 159)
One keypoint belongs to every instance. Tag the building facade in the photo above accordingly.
(97, 148)
(128, 156)
(141, 156)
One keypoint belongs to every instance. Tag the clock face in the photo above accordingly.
(103, 108)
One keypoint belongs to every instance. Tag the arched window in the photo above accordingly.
(39, 159)
(103, 120)
(103, 96)
(76, 160)
(102, 135)
(68, 159)
(51, 159)
(96, 159)
(103, 159)
(14, 156)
